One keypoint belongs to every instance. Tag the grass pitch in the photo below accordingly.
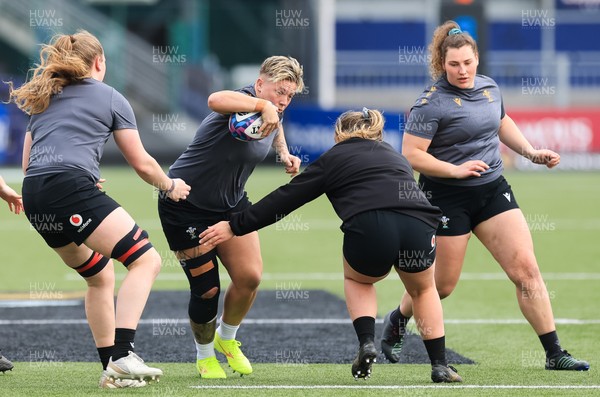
(483, 321)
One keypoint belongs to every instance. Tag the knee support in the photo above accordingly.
(93, 265)
(203, 275)
(132, 246)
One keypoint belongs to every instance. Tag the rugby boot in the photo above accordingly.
(367, 355)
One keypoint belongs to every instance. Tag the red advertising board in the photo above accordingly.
(573, 133)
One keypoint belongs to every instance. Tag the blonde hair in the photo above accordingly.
(65, 60)
(440, 43)
(279, 68)
(367, 124)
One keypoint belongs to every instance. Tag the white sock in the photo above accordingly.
(226, 331)
(205, 351)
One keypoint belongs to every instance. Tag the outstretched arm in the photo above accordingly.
(147, 168)
(306, 187)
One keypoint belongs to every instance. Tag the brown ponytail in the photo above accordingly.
(67, 59)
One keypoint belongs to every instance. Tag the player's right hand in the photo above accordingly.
(469, 168)
(181, 190)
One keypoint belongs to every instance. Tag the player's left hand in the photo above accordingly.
(99, 183)
(270, 118)
(216, 234)
(291, 164)
(545, 157)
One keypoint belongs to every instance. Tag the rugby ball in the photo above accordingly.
(244, 126)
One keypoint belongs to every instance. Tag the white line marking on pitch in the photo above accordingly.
(297, 321)
(400, 387)
(39, 303)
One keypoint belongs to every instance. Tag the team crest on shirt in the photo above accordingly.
(457, 101)
(488, 95)
(445, 221)
(192, 232)
(431, 91)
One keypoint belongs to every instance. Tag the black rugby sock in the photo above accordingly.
(105, 353)
(436, 349)
(550, 343)
(365, 329)
(123, 343)
(396, 317)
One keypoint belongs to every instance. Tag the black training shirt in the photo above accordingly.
(216, 165)
(357, 175)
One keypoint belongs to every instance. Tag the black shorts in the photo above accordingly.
(374, 241)
(465, 207)
(182, 221)
(65, 207)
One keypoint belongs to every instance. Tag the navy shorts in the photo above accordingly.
(182, 222)
(65, 207)
(376, 240)
(465, 207)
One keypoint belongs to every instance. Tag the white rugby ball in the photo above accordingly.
(244, 126)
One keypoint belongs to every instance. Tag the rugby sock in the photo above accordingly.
(226, 331)
(123, 343)
(550, 343)
(204, 351)
(396, 317)
(365, 329)
(436, 349)
(105, 353)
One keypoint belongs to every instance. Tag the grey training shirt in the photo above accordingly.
(70, 134)
(462, 125)
(216, 165)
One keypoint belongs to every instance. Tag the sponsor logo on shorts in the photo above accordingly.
(432, 244)
(76, 220)
(507, 195)
(84, 225)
